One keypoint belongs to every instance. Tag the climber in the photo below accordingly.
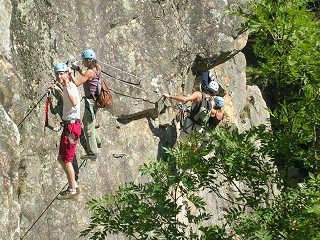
(91, 85)
(209, 78)
(71, 128)
(205, 108)
(56, 107)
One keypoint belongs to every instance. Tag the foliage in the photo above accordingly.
(237, 169)
(169, 206)
(149, 210)
(287, 39)
(234, 168)
(292, 215)
(287, 36)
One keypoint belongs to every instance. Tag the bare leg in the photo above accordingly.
(62, 163)
(69, 171)
(70, 175)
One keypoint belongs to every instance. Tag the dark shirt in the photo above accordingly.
(213, 122)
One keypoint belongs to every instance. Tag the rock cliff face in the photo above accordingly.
(9, 163)
(167, 43)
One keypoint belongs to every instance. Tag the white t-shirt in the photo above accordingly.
(71, 112)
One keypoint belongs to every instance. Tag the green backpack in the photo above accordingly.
(201, 112)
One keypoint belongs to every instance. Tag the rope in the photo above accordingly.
(126, 82)
(83, 162)
(122, 71)
(32, 108)
(119, 79)
(136, 98)
(46, 219)
(145, 90)
(28, 104)
(122, 79)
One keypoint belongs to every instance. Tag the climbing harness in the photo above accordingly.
(186, 124)
(84, 163)
(69, 135)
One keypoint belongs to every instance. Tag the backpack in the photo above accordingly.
(201, 112)
(104, 100)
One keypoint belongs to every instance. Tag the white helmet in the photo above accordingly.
(213, 86)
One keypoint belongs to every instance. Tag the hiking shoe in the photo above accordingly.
(66, 195)
(92, 157)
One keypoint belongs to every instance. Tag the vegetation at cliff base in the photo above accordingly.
(245, 176)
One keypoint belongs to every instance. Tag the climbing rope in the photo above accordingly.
(27, 105)
(46, 219)
(121, 79)
(136, 98)
(72, 61)
(33, 108)
(83, 163)
(137, 77)
(143, 89)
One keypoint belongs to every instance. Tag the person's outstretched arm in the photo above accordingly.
(194, 96)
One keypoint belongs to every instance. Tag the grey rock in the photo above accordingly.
(9, 161)
(5, 41)
(257, 107)
(10, 89)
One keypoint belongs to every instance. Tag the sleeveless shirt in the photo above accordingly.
(91, 87)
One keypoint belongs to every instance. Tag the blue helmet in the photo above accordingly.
(61, 67)
(219, 101)
(89, 53)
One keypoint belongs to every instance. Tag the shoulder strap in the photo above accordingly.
(203, 95)
(96, 73)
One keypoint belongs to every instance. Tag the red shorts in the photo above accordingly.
(67, 148)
